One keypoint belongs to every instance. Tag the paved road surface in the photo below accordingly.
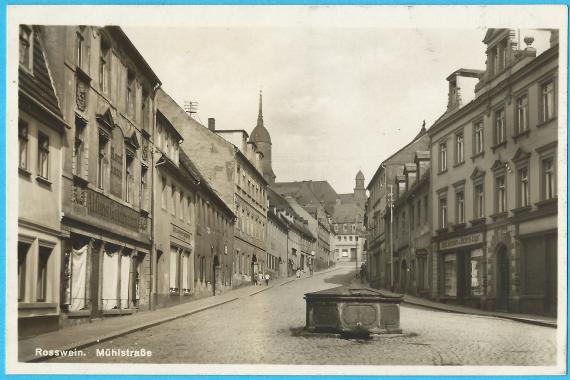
(267, 328)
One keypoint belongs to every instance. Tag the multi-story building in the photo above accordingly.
(377, 211)
(232, 165)
(107, 98)
(494, 179)
(276, 241)
(41, 136)
(410, 220)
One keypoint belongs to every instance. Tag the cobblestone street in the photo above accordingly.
(268, 328)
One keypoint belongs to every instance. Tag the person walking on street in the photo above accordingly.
(298, 273)
(260, 278)
(266, 279)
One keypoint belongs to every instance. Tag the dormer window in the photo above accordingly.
(25, 46)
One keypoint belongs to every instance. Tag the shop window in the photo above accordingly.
(500, 126)
(450, 275)
(476, 270)
(43, 155)
(459, 148)
(547, 101)
(43, 272)
(521, 105)
(478, 137)
(23, 249)
(25, 46)
(78, 271)
(124, 278)
(174, 270)
(23, 142)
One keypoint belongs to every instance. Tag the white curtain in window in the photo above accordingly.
(78, 278)
(185, 264)
(173, 267)
(110, 280)
(125, 274)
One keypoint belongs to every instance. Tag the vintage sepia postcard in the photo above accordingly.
(321, 190)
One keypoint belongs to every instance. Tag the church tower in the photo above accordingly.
(260, 136)
(359, 189)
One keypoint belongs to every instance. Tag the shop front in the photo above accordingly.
(462, 261)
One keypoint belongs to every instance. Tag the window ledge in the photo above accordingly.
(480, 154)
(478, 221)
(442, 171)
(459, 226)
(522, 209)
(441, 230)
(499, 145)
(499, 215)
(459, 164)
(543, 123)
(547, 202)
(521, 134)
(43, 181)
(24, 172)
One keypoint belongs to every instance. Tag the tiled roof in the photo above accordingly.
(37, 82)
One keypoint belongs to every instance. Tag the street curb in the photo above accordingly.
(259, 291)
(119, 333)
(512, 318)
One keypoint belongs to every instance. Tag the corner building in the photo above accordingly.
(494, 179)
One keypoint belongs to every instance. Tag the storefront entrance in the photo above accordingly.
(502, 278)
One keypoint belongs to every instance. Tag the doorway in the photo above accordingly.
(502, 278)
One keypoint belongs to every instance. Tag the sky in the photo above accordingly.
(335, 100)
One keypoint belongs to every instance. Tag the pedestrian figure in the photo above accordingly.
(260, 278)
(266, 279)
(298, 273)
(255, 280)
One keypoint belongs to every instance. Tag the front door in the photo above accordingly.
(502, 278)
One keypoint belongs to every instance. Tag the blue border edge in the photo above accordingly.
(3, 120)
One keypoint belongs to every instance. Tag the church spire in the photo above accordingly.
(260, 115)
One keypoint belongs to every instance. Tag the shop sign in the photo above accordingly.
(461, 241)
(100, 206)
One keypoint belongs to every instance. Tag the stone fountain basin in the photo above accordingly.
(353, 310)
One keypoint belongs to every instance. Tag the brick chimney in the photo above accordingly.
(212, 124)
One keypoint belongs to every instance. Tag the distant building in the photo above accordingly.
(260, 136)
(494, 181)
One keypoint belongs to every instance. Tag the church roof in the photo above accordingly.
(260, 133)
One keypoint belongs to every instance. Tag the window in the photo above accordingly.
(129, 179)
(164, 197)
(353, 227)
(25, 46)
(344, 228)
(144, 185)
(182, 206)
(501, 194)
(476, 269)
(173, 195)
(425, 209)
(350, 238)
(174, 270)
(23, 141)
(459, 149)
(43, 155)
(524, 187)
(479, 201)
(460, 198)
(442, 157)
(104, 65)
(80, 49)
(145, 107)
(336, 228)
(547, 100)
(42, 280)
(23, 249)
(499, 126)
(450, 275)
(130, 91)
(101, 159)
(419, 212)
(78, 147)
(478, 137)
(548, 179)
(522, 114)
(443, 212)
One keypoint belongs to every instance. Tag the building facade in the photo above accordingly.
(107, 97)
(41, 135)
(494, 180)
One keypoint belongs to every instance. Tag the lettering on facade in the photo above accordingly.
(107, 209)
(461, 241)
(181, 234)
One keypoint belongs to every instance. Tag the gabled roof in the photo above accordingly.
(37, 83)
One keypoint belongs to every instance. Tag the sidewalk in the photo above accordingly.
(524, 318)
(87, 334)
